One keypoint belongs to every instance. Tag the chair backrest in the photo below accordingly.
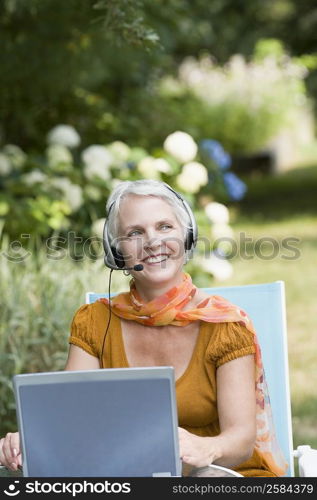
(265, 304)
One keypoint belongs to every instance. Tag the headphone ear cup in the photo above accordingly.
(112, 258)
(189, 241)
(117, 257)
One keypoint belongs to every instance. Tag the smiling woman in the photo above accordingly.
(165, 320)
(161, 191)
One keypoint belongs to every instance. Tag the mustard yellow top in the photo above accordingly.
(196, 391)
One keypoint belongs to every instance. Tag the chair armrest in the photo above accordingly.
(307, 461)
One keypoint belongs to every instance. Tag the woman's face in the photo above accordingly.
(150, 234)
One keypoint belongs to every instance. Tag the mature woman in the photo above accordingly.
(164, 319)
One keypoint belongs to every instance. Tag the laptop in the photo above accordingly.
(98, 423)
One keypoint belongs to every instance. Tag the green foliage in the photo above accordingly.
(56, 57)
(124, 23)
(88, 63)
(268, 47)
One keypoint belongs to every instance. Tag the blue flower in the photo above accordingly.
(216, 152)
(131, 165)
(236, 188)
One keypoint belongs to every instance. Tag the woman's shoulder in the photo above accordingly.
(229, 340)
(88, 313)
(89, 323)
(226, 339)
(87, 327)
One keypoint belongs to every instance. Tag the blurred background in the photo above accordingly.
(216, 98)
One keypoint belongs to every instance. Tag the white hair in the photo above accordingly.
(144, 187)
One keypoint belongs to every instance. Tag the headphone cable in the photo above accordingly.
(109, 319)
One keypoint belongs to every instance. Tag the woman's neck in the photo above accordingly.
(149, 293)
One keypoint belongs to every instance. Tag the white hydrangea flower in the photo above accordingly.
(181, 145)
(97, 170)
(147, 168)
(97, 153)
(120, 150)
(192, 177)
(74, 196)
(16, 154)
(162, 165)
(57, 154)
(197, 171)
(72, 192)
(33, 177)
(187, 183)
(97, 227)
(217, 213)
(61, 183)
(97, 160)
(220, 268)
(65, 135)
(5, 165)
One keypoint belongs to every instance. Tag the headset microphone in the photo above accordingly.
(137, 267)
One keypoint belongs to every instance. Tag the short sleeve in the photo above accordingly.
(230, 341)
(86, 326)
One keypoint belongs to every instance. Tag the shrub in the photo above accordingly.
(64, 189)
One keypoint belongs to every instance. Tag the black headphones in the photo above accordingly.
(114, 259)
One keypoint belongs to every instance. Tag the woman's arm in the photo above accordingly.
(78, 359)
(236, 410)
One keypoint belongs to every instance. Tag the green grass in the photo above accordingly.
(281, 196)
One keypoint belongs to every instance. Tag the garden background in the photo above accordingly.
(216, 98)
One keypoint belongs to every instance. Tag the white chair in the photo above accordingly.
(265, 304)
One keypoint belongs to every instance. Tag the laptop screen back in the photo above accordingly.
(110, 422)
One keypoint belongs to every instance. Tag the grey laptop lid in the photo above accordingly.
(102, 423)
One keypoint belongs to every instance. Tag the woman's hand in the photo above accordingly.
(10, 453)
(196, 450)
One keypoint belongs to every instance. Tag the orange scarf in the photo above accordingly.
(168, 310)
